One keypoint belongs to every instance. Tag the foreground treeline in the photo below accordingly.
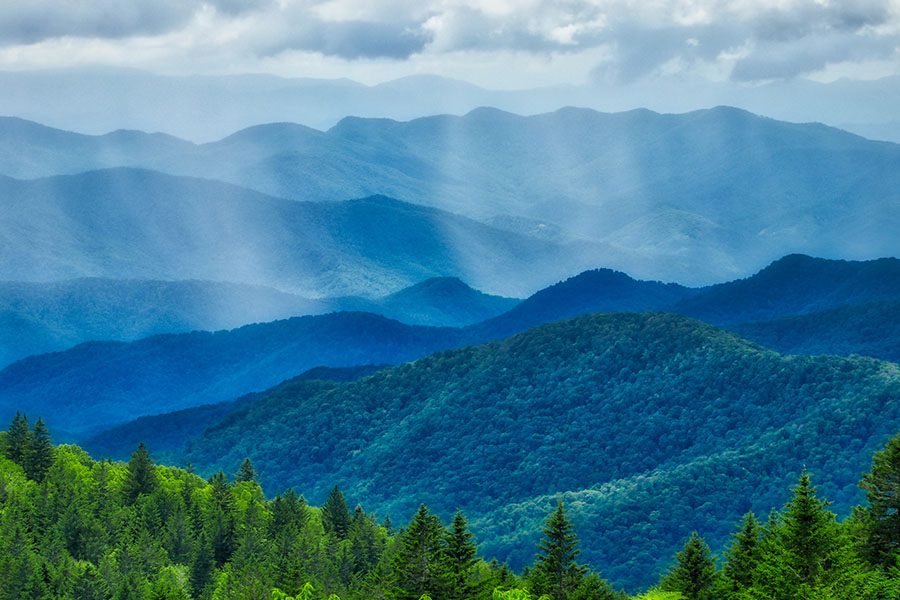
(75, 528)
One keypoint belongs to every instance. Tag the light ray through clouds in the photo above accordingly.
(614, 40)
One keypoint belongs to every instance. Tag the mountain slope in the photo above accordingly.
(600, 290)
(442, 302)
(36, 318)
(795, 285)
(871, 329)
(168, 432)
(596, 408)
(697, 197)
(105, 383)
(127, 223)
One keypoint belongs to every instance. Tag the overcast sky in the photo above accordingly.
(495, 43)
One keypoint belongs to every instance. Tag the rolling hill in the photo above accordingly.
(108, 383)
(613, 412)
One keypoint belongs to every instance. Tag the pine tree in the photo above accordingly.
(461, 553)
(742, 556)
(201, 565)
(808, 531)
(221, 523)
(694, 572)
(336, 515)
(556, 572)
(246, 472)
(881, 519)
(805, 550)
(365, 542)
(18, 440)
(40, 453)
(419, 562)
(141, 478)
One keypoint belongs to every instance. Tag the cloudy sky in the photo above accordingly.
(496, 43)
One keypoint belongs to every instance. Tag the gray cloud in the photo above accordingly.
(760, 39)
(32, 21)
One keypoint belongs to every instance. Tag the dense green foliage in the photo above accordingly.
(88, 530)
(612, 411)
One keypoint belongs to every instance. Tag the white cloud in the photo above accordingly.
(746, 39)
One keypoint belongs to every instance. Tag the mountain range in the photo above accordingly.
(135, 224)
(613, 413)
(203, 108)
(36, 318)
(108, 383)
(698, 198)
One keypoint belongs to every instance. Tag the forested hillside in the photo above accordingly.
(72, 528)
(106, 383)
(612, 411)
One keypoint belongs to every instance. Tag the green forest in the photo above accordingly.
(75, 528)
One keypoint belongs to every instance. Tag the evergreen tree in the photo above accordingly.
(201, 565)
(246, 472)
(461, 553)
(40, 453)
(742, 556)
(419, 562)
(805, 551)
(141, 478)
(336, 515)
(881, 519)
(594, 587)
(694, 572)
(221, 524)
(556, 572)
(365, 542)
(18, 440)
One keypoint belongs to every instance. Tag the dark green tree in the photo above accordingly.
(141, 478)
(18, 440)
(246, 472)
(742, 557)
(221, 522)
(461, 552)
(201, 565)
(556, 571)
(40, 454)
(336, 515)
(881, 519)
(365, 542)
(418, 565)
(805, 551)
(694, 573)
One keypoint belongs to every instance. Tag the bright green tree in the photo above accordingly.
(805, 552)
(418, 565)
(141, 478)
(881, 519)
(694, 573)
(336, 515)
(461, 558)
(742, 557)
(556, 571)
